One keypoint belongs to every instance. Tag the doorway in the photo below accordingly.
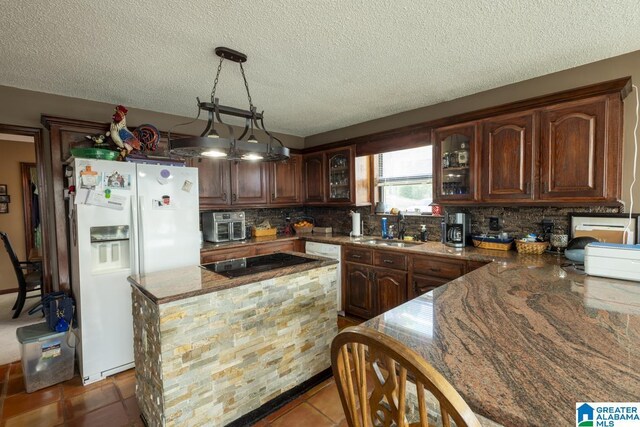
(17, 206)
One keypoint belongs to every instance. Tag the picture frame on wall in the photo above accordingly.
(4, 208)
(3, 189)
(5, 199)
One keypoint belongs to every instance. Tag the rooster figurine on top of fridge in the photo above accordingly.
(124, 219)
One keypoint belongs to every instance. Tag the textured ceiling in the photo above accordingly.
(313, 65)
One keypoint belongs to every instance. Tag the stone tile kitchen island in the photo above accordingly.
(209, 349)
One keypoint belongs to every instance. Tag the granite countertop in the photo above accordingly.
(522, 340)
(185, 282)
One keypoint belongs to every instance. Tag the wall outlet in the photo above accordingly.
(495, 224)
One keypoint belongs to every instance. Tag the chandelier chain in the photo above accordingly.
(246, 85)
(215, 82)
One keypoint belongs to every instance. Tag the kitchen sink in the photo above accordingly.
(392, 243)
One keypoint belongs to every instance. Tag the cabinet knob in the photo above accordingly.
(234, 197)
(224, 197)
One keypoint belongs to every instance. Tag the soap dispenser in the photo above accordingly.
(423, 233)
(383, 226)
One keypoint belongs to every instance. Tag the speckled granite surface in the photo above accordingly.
(185, 282)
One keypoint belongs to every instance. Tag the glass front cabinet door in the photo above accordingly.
(455, 160)
(340, 174)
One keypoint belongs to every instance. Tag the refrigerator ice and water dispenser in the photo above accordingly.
(110, 248)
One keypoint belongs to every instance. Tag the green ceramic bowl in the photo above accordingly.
(94, 153)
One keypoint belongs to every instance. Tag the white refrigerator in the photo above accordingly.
(124, 219)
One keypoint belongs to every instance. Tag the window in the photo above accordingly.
(405, 179)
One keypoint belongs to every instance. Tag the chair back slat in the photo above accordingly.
(13, 257)
(446, 422)
(390, 363)
(422, 405)
(402, 390)
(348, 386)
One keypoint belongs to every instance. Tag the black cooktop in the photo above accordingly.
(257, 264)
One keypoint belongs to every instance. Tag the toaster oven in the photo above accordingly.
(223, 226)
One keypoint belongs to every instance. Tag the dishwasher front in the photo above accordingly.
(333, 252)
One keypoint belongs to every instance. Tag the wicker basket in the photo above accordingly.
(265, 232)
(536, 248)
(303, 230)
(486, 244)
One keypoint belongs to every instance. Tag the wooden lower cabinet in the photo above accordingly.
(419, 285)
(225, 254)
(270, 248)
(429, 272)
(360, 290)
(390, 287)
(374, 281)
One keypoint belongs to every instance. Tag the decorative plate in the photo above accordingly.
(149, 136)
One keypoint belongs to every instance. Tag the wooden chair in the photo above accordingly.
(28, 273)
(356, 349)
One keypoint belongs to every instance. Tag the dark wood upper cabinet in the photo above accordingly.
(507, 158)
(314, 178)
(223, 183)
(578, 150)
(340, 175)
(285, 181)
(454, 162)
(249, 183)
(336, 177)
(558, 151)
(214, 182)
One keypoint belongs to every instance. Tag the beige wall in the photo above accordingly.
(12, 153)
(609, 69)
(24, 107)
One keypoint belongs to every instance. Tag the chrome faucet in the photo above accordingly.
(401, 226)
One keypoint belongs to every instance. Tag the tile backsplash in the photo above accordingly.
(517, 221)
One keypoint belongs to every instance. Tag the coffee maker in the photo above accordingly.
(456, 230)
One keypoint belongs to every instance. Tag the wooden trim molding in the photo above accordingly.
(415, 135)
(8, 291)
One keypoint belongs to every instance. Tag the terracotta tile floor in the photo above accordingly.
(111, 403)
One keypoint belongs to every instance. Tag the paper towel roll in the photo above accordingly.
(355, 224)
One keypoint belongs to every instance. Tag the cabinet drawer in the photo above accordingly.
(390, 260)
(225, 254)
(270, 248)
(422, 284)
(430, 266)
(474, 265)
(363, 256)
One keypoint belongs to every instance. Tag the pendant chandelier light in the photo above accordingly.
(211, 144)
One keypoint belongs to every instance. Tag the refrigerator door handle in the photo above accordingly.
(141, 234)
(134, 237)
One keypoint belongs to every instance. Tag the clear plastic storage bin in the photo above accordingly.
(47, 358)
